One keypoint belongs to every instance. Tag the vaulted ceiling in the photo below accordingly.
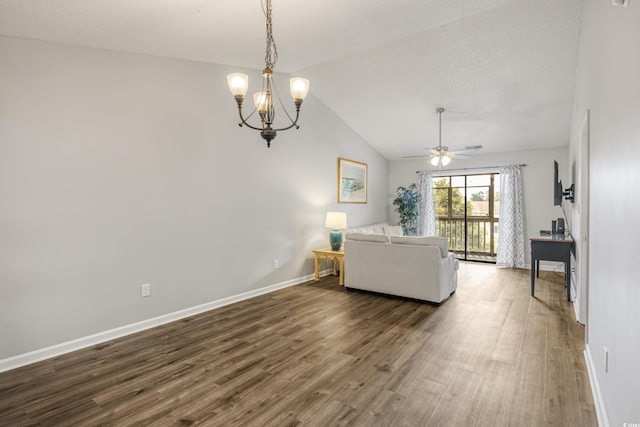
(504, 70)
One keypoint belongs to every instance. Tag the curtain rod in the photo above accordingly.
(471, 169)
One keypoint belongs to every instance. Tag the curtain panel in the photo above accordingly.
(426, 210)
(511, 231)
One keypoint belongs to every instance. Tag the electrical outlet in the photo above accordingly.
(145, 290)
(606, 360)
(275, 264)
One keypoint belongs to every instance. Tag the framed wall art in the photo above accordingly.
(352, 181)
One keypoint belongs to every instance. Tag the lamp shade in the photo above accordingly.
(298, 88)
(262, 100)
(336, 220)
(238, 84)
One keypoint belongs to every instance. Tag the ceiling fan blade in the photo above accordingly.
(430, 156)
(467, 148)
(458, 156)
(416, 157)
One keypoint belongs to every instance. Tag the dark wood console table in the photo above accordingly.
(552, 247)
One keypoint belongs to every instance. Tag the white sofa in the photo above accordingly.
(407, 266)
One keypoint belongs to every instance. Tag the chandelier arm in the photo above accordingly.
(275, 90)
(244, 122)
(250, 115)
(293, 122)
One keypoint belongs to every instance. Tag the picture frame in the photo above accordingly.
(352, 181)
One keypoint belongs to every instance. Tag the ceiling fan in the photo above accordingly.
(441, 155)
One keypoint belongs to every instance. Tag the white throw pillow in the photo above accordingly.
(368, 237)
(393, 230)
(440, 242)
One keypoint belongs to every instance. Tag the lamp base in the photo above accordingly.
(335, 238)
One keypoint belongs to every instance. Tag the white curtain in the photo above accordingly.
(426, 210)
(511, 231)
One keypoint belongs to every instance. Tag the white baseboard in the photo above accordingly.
(601, 411)
(79, 343)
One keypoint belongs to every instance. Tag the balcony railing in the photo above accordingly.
(482, 236)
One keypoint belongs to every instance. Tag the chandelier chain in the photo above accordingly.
(271, 52)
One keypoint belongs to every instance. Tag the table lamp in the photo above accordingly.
(336, 221)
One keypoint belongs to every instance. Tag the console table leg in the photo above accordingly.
(317, 270)
(567, 269)
(533, 277)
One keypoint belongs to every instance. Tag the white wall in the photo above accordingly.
(537, 177)
(120, 169)
(607, 84)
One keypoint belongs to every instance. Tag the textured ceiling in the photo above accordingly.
(504, 70)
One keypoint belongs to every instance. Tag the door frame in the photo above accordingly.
(583, 211)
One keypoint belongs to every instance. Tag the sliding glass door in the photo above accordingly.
(467, 214)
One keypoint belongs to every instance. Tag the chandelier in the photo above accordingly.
(264, 100)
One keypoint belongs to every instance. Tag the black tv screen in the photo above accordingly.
(557, 186)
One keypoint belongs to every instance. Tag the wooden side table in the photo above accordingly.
(336, 256)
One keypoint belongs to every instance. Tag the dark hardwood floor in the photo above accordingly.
(316, 355)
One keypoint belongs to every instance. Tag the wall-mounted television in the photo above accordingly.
(558, 193)
(557, 186)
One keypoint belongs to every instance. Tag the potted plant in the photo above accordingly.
(407, 204)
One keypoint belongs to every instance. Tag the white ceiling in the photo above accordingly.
(504, 70)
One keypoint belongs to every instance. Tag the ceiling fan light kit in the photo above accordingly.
(264, 103)
(437, 160)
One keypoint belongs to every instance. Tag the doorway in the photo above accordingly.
(467, 214)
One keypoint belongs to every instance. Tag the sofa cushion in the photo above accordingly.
(371, 228)
(440, 242)
(393, 230)
(368, 237)
(378, 228)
